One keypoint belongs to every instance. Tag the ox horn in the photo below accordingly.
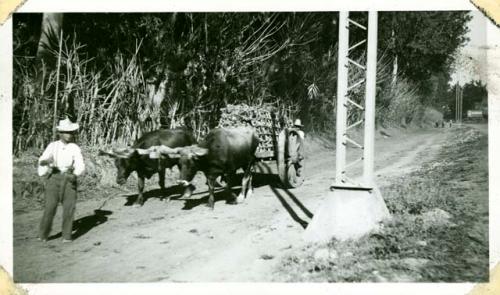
(108, 153)
(123, 152)
(144, 151)
(117, 153)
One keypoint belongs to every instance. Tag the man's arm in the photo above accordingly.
(78, 165)
(45, 160)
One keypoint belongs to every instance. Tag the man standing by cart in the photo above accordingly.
(61, 163)
(298, 143)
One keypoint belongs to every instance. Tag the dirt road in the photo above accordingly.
(184, 241)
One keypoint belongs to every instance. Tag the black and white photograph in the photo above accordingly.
(250, 147)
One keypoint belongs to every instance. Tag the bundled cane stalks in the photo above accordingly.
(262, 118)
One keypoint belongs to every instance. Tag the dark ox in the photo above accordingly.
(132, 159)
(221, 153)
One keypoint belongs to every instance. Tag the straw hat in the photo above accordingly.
(67, 126)
(298, 123)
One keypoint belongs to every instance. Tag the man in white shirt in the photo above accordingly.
(299, 143)
(61, 163)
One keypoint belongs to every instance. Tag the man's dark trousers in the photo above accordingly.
(59, 187)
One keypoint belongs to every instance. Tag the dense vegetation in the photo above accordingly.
(123, 74)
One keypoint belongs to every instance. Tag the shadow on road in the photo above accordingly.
(278, 190)
(83, 225)
(289, 209)
(175, 190)
(298, 203)
(220, 195)
(265, 176)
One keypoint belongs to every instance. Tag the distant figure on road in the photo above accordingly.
(62, 163)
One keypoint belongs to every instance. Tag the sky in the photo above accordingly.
(471, 63)
(477, 27)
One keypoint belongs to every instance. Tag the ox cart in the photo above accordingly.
(281, 142)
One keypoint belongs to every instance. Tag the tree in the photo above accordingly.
(423, 43)
(475, 96)
(140, 71)
(51, 28)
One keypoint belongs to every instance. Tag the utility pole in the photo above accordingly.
(458, 103)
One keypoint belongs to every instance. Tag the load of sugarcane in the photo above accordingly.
(262, 118)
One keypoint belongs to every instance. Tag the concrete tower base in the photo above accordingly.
(347, 214)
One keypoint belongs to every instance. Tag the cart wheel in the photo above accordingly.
(295, 159)
(280, 158)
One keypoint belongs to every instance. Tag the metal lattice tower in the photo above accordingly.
(346, 104)
(352, 208)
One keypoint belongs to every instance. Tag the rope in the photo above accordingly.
(106, 200)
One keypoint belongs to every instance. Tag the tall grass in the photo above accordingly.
(399, 104)
(115, 103)
(109, 109)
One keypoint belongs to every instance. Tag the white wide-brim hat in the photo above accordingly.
(298, 123)
(67, 126)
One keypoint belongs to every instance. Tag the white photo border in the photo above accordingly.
(6, 215)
